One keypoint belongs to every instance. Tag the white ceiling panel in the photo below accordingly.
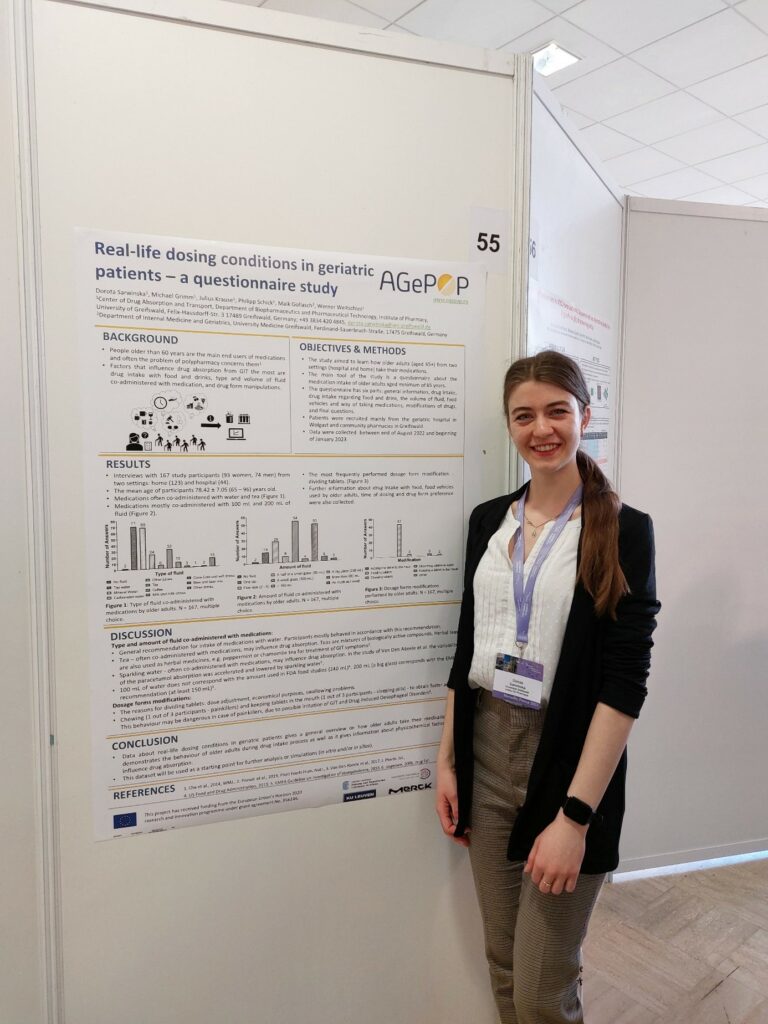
(594, 54)
(671, 94)
(475, 22)
(755, 186)
(629, 24)
(756, 11)
(664, 118)
(707, 48)
(641, 164)
(738, 166)
(612, 89)
(558, 6)
(577, 120)
(389, 9)
(756, 119)
(707, 143)
(333, 10)
(676, 184)
(399, 29)
(738, 90)
(725, 194)
(606, 142)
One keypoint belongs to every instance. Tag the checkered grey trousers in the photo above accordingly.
(532, 940)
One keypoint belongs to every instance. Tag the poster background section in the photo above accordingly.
(258, 716)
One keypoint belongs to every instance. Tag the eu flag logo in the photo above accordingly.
(124, 820)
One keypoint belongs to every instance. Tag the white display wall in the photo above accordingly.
(692, 454)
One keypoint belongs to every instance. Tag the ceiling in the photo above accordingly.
(671, 94)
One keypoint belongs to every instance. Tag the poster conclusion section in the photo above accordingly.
(274, 443)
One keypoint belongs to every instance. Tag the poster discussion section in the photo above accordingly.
(274, 445)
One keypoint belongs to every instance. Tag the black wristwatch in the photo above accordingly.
(577, 810)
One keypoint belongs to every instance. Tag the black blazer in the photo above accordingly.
(602, 660)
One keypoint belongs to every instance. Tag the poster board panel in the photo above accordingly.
(226, 135)
(693, 454)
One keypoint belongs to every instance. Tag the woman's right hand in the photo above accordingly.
(447, 803)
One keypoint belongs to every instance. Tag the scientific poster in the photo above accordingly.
(274, 448)
(587, 337)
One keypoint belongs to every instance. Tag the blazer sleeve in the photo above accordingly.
(462, 659)
(627, 639)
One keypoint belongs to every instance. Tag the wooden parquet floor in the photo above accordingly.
(681, 949)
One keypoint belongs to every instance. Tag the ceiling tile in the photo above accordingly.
(755, 186)
(641, 164)
(664, 118)
(756, 119)
(738, 166)
(577, 120)
(612, 89)
(756, 11)
(707, 143)
(400, 31)
(475, 22)
(594, 54)
(705, 49)
(677, 184)
(334, 10)
(725, 194)
(558, 6)
(736, 91)
(627, 24)
(606, 142)
(389, 9)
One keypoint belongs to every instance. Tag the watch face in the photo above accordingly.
(577, 810)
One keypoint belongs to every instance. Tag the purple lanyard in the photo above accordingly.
(523, 589)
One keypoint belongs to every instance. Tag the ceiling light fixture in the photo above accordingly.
(552, 58)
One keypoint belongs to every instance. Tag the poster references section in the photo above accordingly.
(274, 462)
(554, 323)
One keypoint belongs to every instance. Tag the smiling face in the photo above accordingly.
(545, 424)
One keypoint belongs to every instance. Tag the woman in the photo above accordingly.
(553, 651)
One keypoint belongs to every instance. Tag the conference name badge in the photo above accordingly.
(518, 681)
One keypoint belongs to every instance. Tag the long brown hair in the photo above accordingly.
(600, 573)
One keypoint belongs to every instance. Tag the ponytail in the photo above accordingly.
(600, 573)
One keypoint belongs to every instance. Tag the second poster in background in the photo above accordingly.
(274, 450)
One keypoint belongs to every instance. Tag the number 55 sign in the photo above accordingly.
(489, 238)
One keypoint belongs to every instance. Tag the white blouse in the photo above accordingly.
(495, 617)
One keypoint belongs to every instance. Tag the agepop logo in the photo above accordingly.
(449, 286)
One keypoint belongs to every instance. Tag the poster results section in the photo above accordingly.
(274, 461)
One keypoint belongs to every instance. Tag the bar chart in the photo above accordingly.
(129, 550)
(297, 545)
(388, 542)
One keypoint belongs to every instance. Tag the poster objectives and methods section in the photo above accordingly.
(274, 446)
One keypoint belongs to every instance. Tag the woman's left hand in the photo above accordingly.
(555, 859)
